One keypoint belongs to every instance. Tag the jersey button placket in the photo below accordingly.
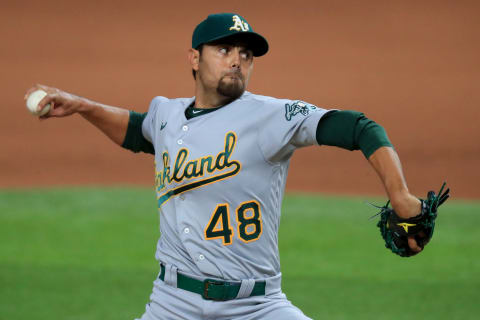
(182, 135)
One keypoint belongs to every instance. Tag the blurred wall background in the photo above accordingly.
(412, 66)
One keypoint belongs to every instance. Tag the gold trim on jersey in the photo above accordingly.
(220, 229)
(257, 231)
(187, 170)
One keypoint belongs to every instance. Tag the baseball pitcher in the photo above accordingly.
(221, 163)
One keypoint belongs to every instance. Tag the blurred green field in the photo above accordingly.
(85, 253)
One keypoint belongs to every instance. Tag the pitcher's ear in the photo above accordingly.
(194, 58)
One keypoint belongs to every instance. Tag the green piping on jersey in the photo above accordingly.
(192, 112)
(351, 130)
(134, 139)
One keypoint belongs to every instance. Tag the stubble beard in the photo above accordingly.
(231, 89)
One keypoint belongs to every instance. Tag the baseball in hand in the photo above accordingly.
(33, 100)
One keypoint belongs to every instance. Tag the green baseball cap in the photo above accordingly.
(225, 25)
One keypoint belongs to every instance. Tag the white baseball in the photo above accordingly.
(33, 100)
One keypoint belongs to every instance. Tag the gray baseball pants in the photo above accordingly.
(167, 302)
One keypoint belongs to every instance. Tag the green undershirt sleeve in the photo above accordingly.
(351, 130)
(134, 139)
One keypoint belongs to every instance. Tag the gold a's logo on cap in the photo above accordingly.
(239, 25)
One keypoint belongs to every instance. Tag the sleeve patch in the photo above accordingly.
(298, 107)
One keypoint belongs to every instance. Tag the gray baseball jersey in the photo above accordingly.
(220, 179)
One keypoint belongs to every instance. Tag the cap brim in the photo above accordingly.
(254, 41)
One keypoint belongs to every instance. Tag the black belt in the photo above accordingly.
(211, 289)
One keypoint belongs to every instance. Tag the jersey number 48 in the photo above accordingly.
(249, 223)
